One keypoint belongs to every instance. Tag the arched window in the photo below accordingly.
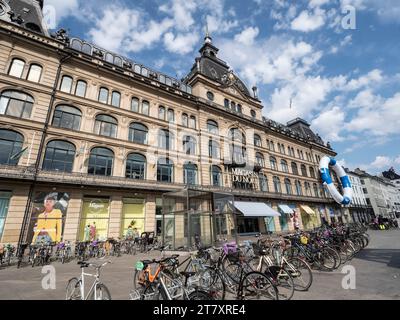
(11, 146)
(315, 189)
(34, 73)
(212, 126)
(307, 189)
(283, 149)
(260, 160)
(192, 122)
(288, 186)
(80, 89)
(16, 104)
(273, 164)
(101, 162)
(272, 146)
(190, 173)
(185, 120)
(312, 172)
(59, 156)
(171, 115)
(106, 126)
(165, 140)
(216, 176)
(213, 149)
(67, 117)
(299, 190)
(161, 113)
(226, 103)
(138, 133)
(103, 95)
(135, 166)
(145, 107)
(277, 185)
(165, 170)
(303, 170)
(66, 84)
(189, 145)
(263, 182)
(17, 68)
(294, 168)
(257, 140)
(116, 99)
(135, 104)
(284, 166)
(237, 136)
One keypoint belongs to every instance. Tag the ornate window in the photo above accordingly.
(312, 172)
(106, 126)
(189, 145)
(284, 166)
(165, 170)
(273, 164)
(67, 117)
(135, 166)
(66, 84)
(210, 96)
(303, 170)
(16, 104)
(288, 186)
(101, 162)
(190, 174)
(277, 185)
(17, 68)
(135, 104)
(263, 180)
(216, 176)
(11, 143)
(171, 115)
(161, 113)
(116, 99)
(103, 95)
(138, 133)
(299, 190)
(212, 126)
(59, 156)
(213, 149)
(192, 122)
(145, 107)
(34, 73)
(294, 168)
(257, 140)
(165, 139)
(260, 160)
(80, 89)
(185, 120)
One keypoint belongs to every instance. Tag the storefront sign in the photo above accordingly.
(244, 179)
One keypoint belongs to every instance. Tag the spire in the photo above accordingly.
(207, 38)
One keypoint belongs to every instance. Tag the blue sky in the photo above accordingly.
(345, 82)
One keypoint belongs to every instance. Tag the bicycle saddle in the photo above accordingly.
(187, 274)
(83, 264)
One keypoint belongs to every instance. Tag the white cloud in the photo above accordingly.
(181, 43)
(329, 124)
(381, 162)
(307, 21)
(182, 13)
(373, 77)
(247, 36)
(317, 3)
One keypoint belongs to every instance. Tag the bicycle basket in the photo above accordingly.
(139, 265)
(230, 247)
(303, 240)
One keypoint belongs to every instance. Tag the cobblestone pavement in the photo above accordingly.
(377, 275)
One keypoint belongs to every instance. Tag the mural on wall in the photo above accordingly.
(48, 217)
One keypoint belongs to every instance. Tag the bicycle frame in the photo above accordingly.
(94, 284)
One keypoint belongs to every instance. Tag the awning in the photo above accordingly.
(308, 210)
(255, 209)
(286, 209)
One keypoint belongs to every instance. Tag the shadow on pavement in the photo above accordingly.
(389, 257)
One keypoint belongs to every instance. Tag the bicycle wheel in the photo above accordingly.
(200, 295)
(212, 282)
(233, 271)
(73, 290)
(256, 285)
(100, 292)
(327, 260)
(336, 255)
(301, 273)
(138, 279)
(282, 280)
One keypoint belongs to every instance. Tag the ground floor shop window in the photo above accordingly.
(47, 218)
(133, 211)
(248, 225)
(269, 224)
(283, 220)
(94, 219)
(4, 203)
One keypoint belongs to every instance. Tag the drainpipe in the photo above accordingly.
(25, 221)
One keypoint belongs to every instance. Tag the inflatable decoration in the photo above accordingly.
(324, 165)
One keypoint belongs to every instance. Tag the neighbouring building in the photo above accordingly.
(91, 140)
(360, 210)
